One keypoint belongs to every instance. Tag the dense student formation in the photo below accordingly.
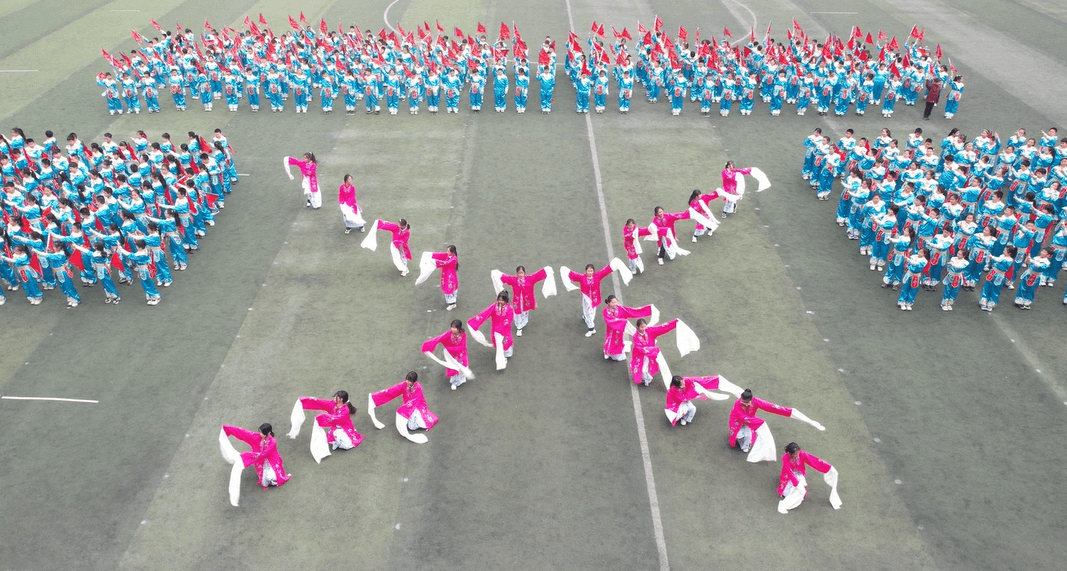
(256, 67)
(981, 210)
(106, 207)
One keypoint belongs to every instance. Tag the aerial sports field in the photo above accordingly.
(947, 428)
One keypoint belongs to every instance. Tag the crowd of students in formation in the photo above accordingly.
(627, 330)
(423, 66)
(979, 211)
(87, 212)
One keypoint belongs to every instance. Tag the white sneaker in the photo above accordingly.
(694, 239)
(590, 332)
(518, 333)
(684, 422)
(454, 387)
(403, 273)
(661, 261)
(450, 307)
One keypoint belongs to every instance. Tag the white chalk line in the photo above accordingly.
(385, 15)
(17, 70)
(646, 457)
(846, 13)
(55, 399)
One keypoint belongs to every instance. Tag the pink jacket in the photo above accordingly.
(522, 291)
(500, 323)
(645, 348)
(666, 221)
(335, 416)
(729, 180)
(742, 415)
(447, 262)
(590, 286)
(791, 467)
(454, 343)
(628, 240)
(264, 450)
(615, 325)
(412, 400)
(400, 237)
(308, 169)
(676, 397)
(346, 194)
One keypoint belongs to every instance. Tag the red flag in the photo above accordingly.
(682, 34)
(951, 67)
(400, 29)
(937, 52)
(505, 31)
(626, 34)
(881, 36)
(600, 31)
(303, 20)
(440, 30)
(914, 31)
(136, 37)
(543, 58)
(157, 26)
(893, 45)
(796, 25)
(726, 32)
(657, 25)
(481, 28)
(116, 262)
(922, 34)
(263, 20)
(615, 33)
(458, 33)
(107, 57)
(752, 35)
(869, 39)
(593, 28)
(207, 25)
(75, 260)
(768, 30)
(293, 24)
(323, 27)
(640, 29)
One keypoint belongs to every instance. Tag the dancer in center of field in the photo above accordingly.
(589, 284)
(455, 343)
(449, 264)
(310, 183)
(351, 213)
(398, 247)
(616, 320)
(333, 429)
(522, 288)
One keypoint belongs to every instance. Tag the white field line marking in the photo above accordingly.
(738, 16)
(849, 13)
(125, 10)
(646, 457)
(6, 397)
(385, 15)
(16, 70)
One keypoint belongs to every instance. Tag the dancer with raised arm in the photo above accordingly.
(398, 246)
(522, 288)
(589, 284)
(793, 482)
(263, 457)
(412, 414)
(751, 434)
(455, 360)
(501, 316)
(310, 183)
(333, 428)
(684, 390)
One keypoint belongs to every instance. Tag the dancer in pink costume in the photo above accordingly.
(412, 414)
(398, 246)
(449, 264)
(501, 316)
(522, 288)
(751, 433)
(263, 457)
(333, 429)
(793, 482)
(616, 320)
(351, 213)
(684, 390)
(589, 284)
(455, 362)
(310, 183)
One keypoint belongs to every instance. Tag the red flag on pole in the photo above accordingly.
(922, 34)
(752, 35)
(156, 25)
(641, 29)
(914, 32)
(323, 27)
(505, 31)
(592, 29)
(136, 37)
(600, 31)
(893, 45)
(626, 34)
(657, 25)
(726, 32)
(303, 20)
(293, 24)
(682, 34)
(263, 20)
(481, 28)
(881, 36)
(937, 52)
(869, 39)
(440, 30)
(768, 30)
(207, 25)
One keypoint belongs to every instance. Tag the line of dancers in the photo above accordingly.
(979, 211)
(423, 65)
(627, 330)
(91, 210)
